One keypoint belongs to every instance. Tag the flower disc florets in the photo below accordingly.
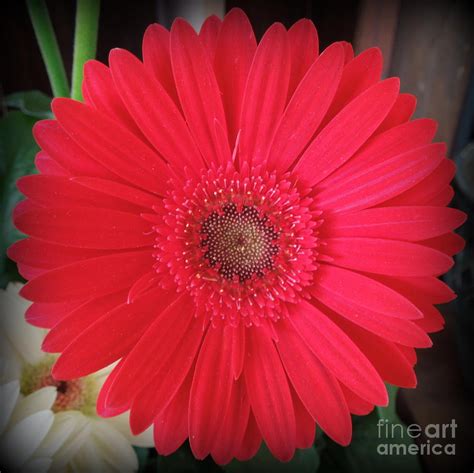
(241, 241)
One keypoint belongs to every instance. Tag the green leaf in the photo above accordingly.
(31, 102)
(304, 461)
(371, 448)
(17, 153)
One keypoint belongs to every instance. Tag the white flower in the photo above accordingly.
(47, 425)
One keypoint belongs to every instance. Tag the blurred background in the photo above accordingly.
(428, 44)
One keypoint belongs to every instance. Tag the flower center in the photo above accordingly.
(75, 394)
(242, 243)
(239, 243)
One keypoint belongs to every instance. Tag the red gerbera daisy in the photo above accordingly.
(254, 231)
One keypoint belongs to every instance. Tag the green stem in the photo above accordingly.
(85, 41)
(49, 47)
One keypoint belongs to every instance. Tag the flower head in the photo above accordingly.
(47, 424)
(254, 231)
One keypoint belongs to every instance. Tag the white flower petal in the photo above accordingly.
(8, 396)
(114, 447)
(63, 426)
(89, 458)
(36, 465)
(75, 440)
(122, 424)
(25, 338)
(20, 442)
(40, 400)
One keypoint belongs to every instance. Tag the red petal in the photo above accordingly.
(71, 326)
(304, 49)
(401, 112)
(269, 394)
(120, 191)
(355, 403)
(167, 378)
(398, 223)
(170, 428)
(236, 46)
(157, 58)
(251, 442)
(198, 92)
(338, 353)
(98, 346)
(449, 243)
(432, 320)
(383, 181)
(172, 316)
(359, 74)
(311, 101)
(387, 359)
(425, 289)
(380, 148)
(211, 390)
(364, 292)
(64, 150)
(111, 144)
(101, 409)
(428, 188)
(347, 131)
(104, 96)
(46, 315)
(234, 423)
(238, 350)
(162, 123)
(44, 255)
(62, 192)
(305, 425)
(85, 227)
(93, 277)
(395, 258)
(396, 330)
(209, 33)
(265, 94)
(48, 166)
(318, 389)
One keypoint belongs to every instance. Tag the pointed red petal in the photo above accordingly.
(395, 258)
(304, 49)
(269, 394)
(383, 181)
(157, 58)
(265, 95)
(347, 131)
(130, 321)
(318, 389)
(170, 428)
(112, 145)
(198, 92)
(211, 390)
(235, 49)
(93, 277)
(401, 112)
(311, 100)
(359, 74)
(71, 326)
(85, 227)
(209, 33)
(398, 223)
(338, 353)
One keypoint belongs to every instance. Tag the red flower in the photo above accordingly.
(255, 232)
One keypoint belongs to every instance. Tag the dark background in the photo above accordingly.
(428, 44)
